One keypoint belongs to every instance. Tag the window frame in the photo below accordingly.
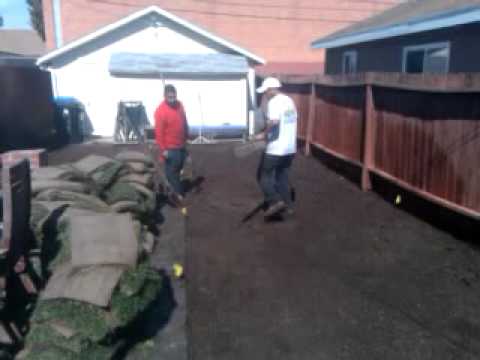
(425, 48)
(353, 55)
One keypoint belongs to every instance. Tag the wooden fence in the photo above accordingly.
(421, 132)
(27, 112)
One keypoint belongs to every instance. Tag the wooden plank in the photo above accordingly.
(427, 152)
(448, 148)
(422, 164)
(432, 155)
(435, 174)
(444, 141)
(16, 210)
(458, 187)
(419, 165)
(329, 131)
(337, 154)
(415, 156)
(344, 116)
(476, 181)
(369, 139)
(467, 195)
(468, 156)
(392, 137)
(379, 145)
(348, 133)
(404, 153)
(429, 196)
(324, 114)
(390, 122)
(311, 119)
(415, 153)
(449, 145)
(322, 117)
(402, 143)
(475, 193)
(359, 126)
(466, 189)
(450, 83)
(320, 110)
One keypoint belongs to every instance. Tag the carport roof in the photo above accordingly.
(157, 65)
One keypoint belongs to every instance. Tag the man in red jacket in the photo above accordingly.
(171, 132)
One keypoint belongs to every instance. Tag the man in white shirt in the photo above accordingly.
(281, 136)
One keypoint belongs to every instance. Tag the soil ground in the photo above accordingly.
(349, 276)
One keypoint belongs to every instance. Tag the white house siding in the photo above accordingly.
(214, 102)
(87, 78)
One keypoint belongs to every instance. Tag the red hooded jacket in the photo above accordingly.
(171, 128)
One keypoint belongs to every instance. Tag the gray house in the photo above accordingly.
(418, 36)
(20, 43)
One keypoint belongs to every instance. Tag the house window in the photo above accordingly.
(349, 62)
(428, 58)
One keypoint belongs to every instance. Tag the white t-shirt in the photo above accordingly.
(282, 108)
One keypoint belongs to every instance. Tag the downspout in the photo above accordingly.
(252, 97)
(57, 23)
(53, 78)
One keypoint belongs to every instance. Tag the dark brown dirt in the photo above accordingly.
(349, 277)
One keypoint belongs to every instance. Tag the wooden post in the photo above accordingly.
(369, 140)
(14, 245)
(311, 119)
(16, 207)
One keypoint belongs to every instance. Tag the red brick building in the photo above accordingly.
(279, 31)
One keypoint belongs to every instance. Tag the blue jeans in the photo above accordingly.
(173, 167)
(273, 178)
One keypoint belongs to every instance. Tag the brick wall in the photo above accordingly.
(48, 23)
(278, 30)
(37, 157)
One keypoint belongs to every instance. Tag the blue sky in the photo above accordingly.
(14, 13)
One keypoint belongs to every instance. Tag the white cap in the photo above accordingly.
(269, 83)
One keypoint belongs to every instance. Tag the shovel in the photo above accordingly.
(249, 148)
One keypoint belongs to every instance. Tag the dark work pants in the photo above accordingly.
(173, 167)
(273, 178)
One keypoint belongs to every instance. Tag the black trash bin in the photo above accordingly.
(73, 119)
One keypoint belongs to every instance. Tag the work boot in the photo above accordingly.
(275, 208)
(177, 200)
(289, 211)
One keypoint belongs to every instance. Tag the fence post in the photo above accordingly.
(369, 139)
(311, 119)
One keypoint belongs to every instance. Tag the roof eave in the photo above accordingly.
(420, 25)
(44, 60)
